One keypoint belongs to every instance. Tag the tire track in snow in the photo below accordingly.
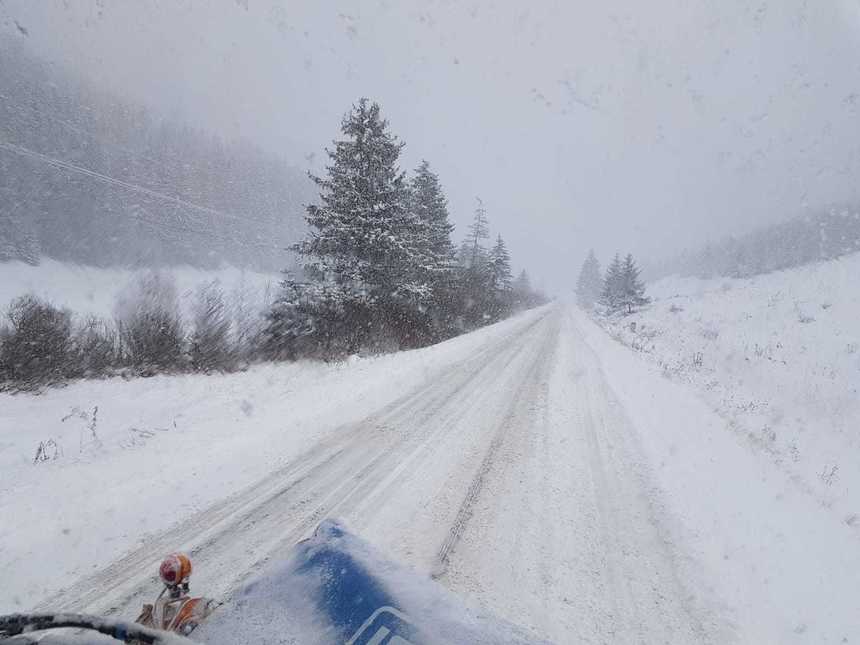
(473, 493)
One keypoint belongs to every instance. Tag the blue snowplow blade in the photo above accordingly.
(335, 589)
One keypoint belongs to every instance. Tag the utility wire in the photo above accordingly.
(66, 165)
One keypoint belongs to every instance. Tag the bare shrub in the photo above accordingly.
(210, 340)
(37, 348)
(149, 323)
(96, 347)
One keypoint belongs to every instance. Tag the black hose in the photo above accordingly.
(16, 624)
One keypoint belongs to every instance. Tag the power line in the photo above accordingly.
(66, 165)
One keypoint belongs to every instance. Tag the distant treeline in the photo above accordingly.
(88, 177)
(819, 236)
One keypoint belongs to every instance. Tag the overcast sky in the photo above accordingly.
(623, 124)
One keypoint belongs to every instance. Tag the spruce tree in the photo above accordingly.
(295, 323)
(431, 208)
(590, 283)
(610, 295)
(500, 279)
(433, 234)
(631, 288)
(499, 267)
(365, 242)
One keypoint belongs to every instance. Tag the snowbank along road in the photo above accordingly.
(514, 475)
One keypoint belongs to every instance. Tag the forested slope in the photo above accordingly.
(91, 178)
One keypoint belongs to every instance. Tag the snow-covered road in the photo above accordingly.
(569, 518)
(514, 464)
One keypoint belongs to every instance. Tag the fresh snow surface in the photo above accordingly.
(87, 290)
(537, 468)
(778, 356)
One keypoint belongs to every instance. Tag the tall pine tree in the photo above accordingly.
(365, 240)
(479, 230)
(431, 208)
(499, 267)
(500, 279)
(439, 258)
(475, 291)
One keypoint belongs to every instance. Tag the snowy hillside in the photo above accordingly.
(89, 290)
(778, 356)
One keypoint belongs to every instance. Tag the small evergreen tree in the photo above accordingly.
(500, 279)
(292, 324)
(610, 295)
(500, 267)
(475, 288)
(590, 283)
(631, 288)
